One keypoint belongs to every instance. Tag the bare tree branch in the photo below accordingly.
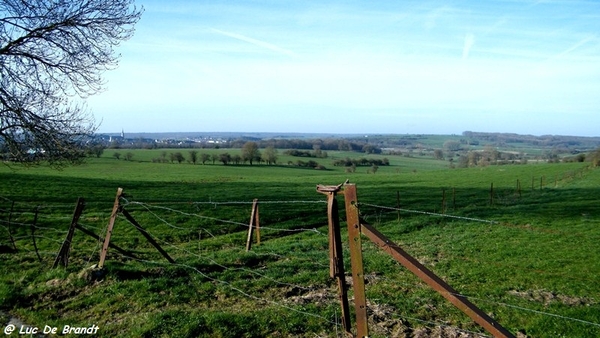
(50, 52)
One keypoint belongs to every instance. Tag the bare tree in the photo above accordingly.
(51, 52)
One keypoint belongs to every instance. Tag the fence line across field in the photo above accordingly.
(495, 302)
(279, 304)
(210, 260)
(148, 206)
(151, 207)
(428, 213)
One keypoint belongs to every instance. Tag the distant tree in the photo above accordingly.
(438, 154)
(374, 168)
(463, 161)
(474, 158)
(50, 52)
(237, 159)
(128, 156)
(371, 149)
(452, 145)
(594, 158)
(179, 157)
(96, 150)
(117, 155)
(270, 155)
(250, 152)
(225, 158)
(204, 157)
(214, 158)
(193, 156)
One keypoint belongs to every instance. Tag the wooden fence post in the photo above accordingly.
(63, 253)
(443, 200)
(454, 199)
(111, 224)
(435, 282)
(356, 226)
(146, 234)
(12, 207)
(35, 217)
(398, 204)
(358, 278)
(336, 253)
(98, 238)
(254, 222)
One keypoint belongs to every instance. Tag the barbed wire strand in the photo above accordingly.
(532, 311)
(428, 213)
(242, 292)
(148, 206)
(223, 266)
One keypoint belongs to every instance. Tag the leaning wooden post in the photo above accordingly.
(354, 231)
(111, 224)
(252, 224)
(146, 234)
(398, 204)
(443, 200)
(426, 275)
(257, 221)
(12, 240)
(63, 253)
(32, 233)
(454, 199)
(336, 253)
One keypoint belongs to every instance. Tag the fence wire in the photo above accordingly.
(21, 222)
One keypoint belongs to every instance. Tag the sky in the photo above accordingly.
(373, 67)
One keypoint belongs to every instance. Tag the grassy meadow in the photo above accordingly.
(520, 241)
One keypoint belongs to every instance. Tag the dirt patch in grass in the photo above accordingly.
(546, 297)
(383, 319)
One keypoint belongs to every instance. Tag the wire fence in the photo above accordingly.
(26, 227)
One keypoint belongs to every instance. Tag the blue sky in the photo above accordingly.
(435, 67)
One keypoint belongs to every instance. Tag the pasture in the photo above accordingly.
(519, 241)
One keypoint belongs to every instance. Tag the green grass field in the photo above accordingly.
(536, 269)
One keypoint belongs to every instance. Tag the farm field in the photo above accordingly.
(519, 241)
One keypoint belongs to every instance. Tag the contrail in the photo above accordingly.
(575, 46)
(255, 42)
(469, 42)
